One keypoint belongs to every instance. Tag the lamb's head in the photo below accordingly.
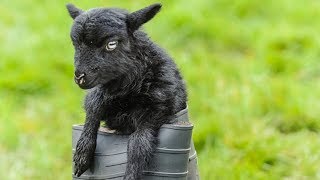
(102, 38)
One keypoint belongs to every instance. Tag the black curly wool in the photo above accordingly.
(134, 86)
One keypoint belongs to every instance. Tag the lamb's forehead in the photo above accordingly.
(108, 13)
(99, 22)
(103, 17)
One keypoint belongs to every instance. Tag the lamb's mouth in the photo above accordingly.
(84, 84)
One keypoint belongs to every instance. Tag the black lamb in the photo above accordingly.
(135, 87)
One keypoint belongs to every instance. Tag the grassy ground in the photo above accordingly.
(252, 69)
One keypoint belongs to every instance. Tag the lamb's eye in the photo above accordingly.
(111, 45)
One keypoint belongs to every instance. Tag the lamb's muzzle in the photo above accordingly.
(79, 79)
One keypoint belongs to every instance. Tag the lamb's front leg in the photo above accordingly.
(141, 146)
(86, 146)
(87, 143)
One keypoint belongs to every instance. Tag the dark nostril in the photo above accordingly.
(79, 75)
(79, 78)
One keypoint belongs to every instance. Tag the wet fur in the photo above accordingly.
(135, 88)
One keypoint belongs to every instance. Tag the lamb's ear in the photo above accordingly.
(73, 10)
(137, 18)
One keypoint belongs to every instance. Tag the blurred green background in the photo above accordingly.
(252, 70)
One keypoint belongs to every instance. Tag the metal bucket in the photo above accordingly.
(175, 156)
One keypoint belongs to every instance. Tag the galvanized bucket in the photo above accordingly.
(175, 157)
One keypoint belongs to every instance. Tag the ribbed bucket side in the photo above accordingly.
(175, 156)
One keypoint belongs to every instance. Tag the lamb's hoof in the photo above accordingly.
(83, 156)
(81, 164)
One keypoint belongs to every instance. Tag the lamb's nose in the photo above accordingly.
(79, 77)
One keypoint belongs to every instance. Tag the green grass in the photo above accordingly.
(252, 70)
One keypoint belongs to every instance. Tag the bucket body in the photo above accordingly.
(175, 157)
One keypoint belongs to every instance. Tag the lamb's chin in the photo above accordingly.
(86, 86)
